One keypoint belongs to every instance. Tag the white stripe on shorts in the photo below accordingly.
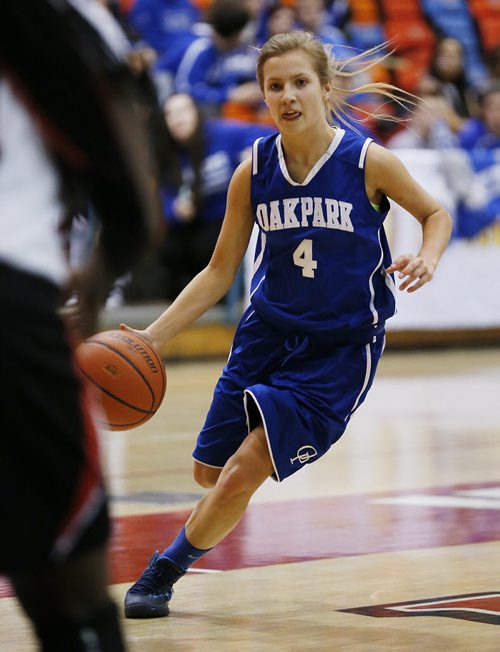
(245, 404)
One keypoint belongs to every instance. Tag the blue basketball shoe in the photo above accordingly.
(150, 595)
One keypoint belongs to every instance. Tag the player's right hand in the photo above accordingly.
(141, 333)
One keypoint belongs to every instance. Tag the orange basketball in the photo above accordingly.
(126, 376)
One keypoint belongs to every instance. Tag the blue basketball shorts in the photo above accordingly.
(302, 389)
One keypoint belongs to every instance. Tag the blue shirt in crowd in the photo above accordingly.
(226, 144)
(209, 74)
(474, 134)
(164, 24)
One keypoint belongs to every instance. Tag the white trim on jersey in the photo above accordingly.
(365, 381)
(339, 134)
(258, 286)
(389, 281)
(255, 156)
(370, 283)
(258, 260)
(362, 156)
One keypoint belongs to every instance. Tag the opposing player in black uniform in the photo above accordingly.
(74, 122)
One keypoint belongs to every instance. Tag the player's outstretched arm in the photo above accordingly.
(213, 282)
(386, 174)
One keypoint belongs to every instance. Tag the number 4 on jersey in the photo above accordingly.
(303, 257)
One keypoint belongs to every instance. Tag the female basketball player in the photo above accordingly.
(306, 350)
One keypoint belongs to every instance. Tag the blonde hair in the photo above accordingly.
(327, 68)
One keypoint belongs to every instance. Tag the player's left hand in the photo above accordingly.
(415, 270)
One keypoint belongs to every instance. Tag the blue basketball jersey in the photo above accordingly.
(322, 251)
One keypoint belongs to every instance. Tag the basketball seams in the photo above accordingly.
(113, 396)
(139, 377)
(153, 352)
(134, 367)
(161, 367)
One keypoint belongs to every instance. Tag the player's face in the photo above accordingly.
(293, 92)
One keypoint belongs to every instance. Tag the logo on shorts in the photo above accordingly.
(304, 454)
(478, 607)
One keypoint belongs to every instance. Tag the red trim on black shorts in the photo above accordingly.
(90, 494)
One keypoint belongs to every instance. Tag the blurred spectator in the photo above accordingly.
(256, 26)
(338, 11)
(359, 105)
(427, 128)
(279, 19)
(167, 28)
(208, 152)
(448, 69)
(163, 24)
(493, 63)
(219, 72)
(312, 17)
(483, 132)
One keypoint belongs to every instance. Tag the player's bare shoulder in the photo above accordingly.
(383, 170)
(243, 172)
(380, 159)
(239, 188)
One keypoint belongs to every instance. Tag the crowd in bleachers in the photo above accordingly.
(202, 54)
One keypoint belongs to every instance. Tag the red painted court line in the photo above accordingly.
(307, 529)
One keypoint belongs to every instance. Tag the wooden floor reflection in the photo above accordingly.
(401, 516)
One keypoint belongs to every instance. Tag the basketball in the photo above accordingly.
(126, 376)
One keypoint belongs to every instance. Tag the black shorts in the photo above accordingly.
(52, 499)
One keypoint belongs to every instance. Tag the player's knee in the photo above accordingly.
(205, 476)
(232, 482)
(238, 479)
(247, 469)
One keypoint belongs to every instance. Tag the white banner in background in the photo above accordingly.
(465, 291)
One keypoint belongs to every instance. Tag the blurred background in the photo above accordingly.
(201, 55)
